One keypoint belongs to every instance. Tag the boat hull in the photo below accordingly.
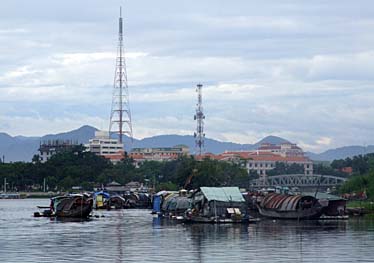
(312, 213)
(82, 212)
(213, 220)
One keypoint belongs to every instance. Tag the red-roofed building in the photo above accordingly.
(114, 157)
(261, 162)
(140, 155)
(284, 149)
(266, 157)
(347, 170)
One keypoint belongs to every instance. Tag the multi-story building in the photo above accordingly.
(262, 162)
(104, 146)
(49, 148)
(266, 157)
(283, 149)
(158, 154)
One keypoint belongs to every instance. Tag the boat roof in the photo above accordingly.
(325, 196)
(223, 194)
(105, 194)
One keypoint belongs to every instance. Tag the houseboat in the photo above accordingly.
(283, 206)
(175, 204)
(217, 205)
(70, 206)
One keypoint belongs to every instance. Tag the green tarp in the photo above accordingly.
(222, 194)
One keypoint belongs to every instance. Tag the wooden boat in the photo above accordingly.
(116, 202)
(100, 200)
(70, 206)
(282, 206)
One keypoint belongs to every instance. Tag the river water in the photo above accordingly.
(137, 236)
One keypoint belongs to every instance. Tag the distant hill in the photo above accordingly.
(341, 153)
(21, 148)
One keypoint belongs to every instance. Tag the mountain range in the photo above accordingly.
(21, 148)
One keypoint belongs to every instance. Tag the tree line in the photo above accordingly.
(362, 178)
(77, 167)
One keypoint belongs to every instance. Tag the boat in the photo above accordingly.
(116, 202)
(284, 206)
(69, 206)
(100, 200)
(10, 196)
(217, 205)
(333, 206)
(174, 205)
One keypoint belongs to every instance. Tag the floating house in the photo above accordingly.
(332, 205)
(73, 206)
(284, 206)
(100, 199)
(217, 205)
(175, 204)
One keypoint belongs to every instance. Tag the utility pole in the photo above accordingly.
(120, 116)
(199, 117)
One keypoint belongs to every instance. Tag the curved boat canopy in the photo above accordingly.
(282, 202)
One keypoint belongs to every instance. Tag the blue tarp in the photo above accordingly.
(105, 194)
(157, 204)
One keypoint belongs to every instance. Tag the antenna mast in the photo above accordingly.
(199, 117)
(120, 116)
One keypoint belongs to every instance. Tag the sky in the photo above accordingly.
(301, 70)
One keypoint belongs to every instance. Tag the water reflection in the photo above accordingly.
(137, 236)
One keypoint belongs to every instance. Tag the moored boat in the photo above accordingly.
(70, 206)
(283, 206)
(217, 205)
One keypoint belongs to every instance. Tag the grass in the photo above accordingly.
(367, 204)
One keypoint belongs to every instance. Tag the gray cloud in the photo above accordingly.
(299, 70)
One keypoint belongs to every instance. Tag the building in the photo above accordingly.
(262, 162)
(140, 155)
(283, 149)
(266, 157)
(49, 148)
(104, 146)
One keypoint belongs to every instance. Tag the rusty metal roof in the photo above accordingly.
(282, 202)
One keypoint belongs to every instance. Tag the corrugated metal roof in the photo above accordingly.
(223, 194)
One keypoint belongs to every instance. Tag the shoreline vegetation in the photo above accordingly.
(76, 167)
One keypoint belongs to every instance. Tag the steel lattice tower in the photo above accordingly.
(120, 116)
(199, 117)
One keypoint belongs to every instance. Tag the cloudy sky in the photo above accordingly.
(302, 70)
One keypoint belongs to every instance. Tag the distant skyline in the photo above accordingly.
(300, 70)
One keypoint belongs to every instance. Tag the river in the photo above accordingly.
(137, 236)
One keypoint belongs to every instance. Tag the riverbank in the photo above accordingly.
(39, 194)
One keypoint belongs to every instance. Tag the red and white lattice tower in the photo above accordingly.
(120, 116)
(199, 117)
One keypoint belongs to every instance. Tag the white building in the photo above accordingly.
(140, 155)
(49, 148)
(103, 145)
(283, 149)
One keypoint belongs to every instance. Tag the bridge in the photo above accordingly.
(298, 180)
